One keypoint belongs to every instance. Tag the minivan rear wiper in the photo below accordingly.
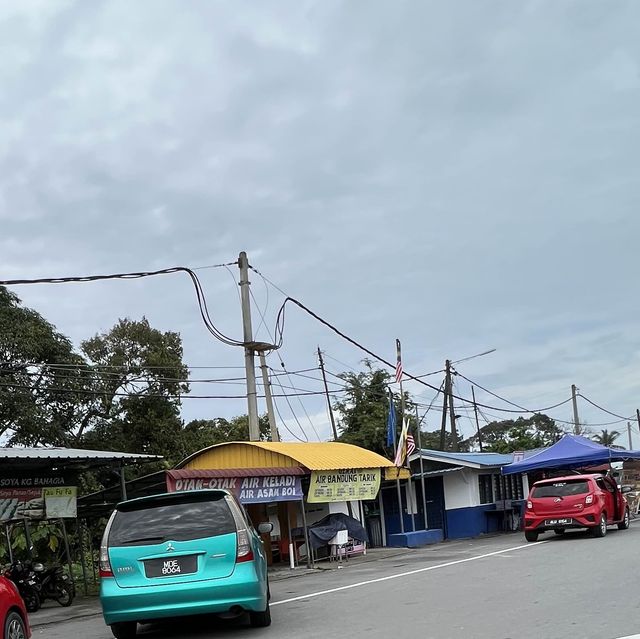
(135, 540)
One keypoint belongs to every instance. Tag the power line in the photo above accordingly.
(280, 324)
(526, 410)
(201, 299)
(604, 410)
(299, 400)
(295, 417)
(284, 424)
(181, 396)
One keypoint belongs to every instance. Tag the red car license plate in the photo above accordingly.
(558, 522)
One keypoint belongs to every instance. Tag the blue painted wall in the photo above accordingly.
(471, 522)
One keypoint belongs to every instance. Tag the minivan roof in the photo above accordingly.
(176, 497)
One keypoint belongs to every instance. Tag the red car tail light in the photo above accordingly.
(105, 563)
(530, 505)
(588, 499)
(244, 552)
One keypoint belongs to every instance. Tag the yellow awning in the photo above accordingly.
(312, 455)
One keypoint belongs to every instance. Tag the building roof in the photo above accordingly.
(71, 454)
(311, 455)
(470, 460)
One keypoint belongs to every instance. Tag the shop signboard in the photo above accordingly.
(61, 502)
(38, 502)
(344, 485)
(248, 490)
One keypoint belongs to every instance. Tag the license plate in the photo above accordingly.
(171, 566)
(558, 522)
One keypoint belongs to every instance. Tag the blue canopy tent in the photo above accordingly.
(572, 451)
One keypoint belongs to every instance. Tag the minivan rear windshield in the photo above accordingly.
(561, 489)
(183, 520)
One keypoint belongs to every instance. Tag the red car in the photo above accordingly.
(575, 501)
(13, 616)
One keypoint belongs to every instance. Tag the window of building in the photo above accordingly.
(508, 487)
(486, 489)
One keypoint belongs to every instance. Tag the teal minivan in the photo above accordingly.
(178, 554)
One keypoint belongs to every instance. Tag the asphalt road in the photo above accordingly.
(496, 588)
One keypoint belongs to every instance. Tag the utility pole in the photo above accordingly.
(275, 437)
(452, 412)
(326, 391)
(249, 363)
(422, 484)
(574, 401)
(629, 435)
(475, 410)
(445, 400)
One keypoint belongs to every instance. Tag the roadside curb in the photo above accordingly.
(36, 623)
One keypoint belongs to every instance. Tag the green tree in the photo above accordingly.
(431, 440)
(43, 382)
(134, 365)
(200, 433)
(537, 431)
(364, 409)
(606, 438)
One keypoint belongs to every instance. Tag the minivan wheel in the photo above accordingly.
(601, 529)
(624, 524)
(124, 629)
(261, 619)
(531, 535)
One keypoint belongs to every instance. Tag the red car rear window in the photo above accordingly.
(561, 489)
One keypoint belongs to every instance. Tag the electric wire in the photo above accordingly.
(280, 324)
(295, 417)
(200, 297)
(604, 410)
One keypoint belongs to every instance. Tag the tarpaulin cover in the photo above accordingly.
(572, 451)
(326, 529)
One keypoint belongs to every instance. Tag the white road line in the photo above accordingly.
(413, 572)
(630, 637)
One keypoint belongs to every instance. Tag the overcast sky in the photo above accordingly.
(461, 175)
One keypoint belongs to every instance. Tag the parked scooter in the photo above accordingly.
(54, 583)
(24, 577)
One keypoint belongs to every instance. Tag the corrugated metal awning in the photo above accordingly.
(187, 473)
(311, 455)
(71, 454)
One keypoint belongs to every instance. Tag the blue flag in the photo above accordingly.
(391, 423)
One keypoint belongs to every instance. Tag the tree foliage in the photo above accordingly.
(40, 386)
(523, 433)
(363, 412)
(607, 438)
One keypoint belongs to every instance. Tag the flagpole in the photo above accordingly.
(424, 493)
(399, 375)
(395, 450)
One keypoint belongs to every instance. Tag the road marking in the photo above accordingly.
(413, 572)
(630, 637)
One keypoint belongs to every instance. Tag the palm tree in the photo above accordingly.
(607, 438)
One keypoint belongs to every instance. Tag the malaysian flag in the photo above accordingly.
(411, 444)
(398, 363)
(401, 453)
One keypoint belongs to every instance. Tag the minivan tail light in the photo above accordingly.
(105, 564)
(244, 552)
(588, 499)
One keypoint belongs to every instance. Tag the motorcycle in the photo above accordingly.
(54, 583)
(24, 577)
